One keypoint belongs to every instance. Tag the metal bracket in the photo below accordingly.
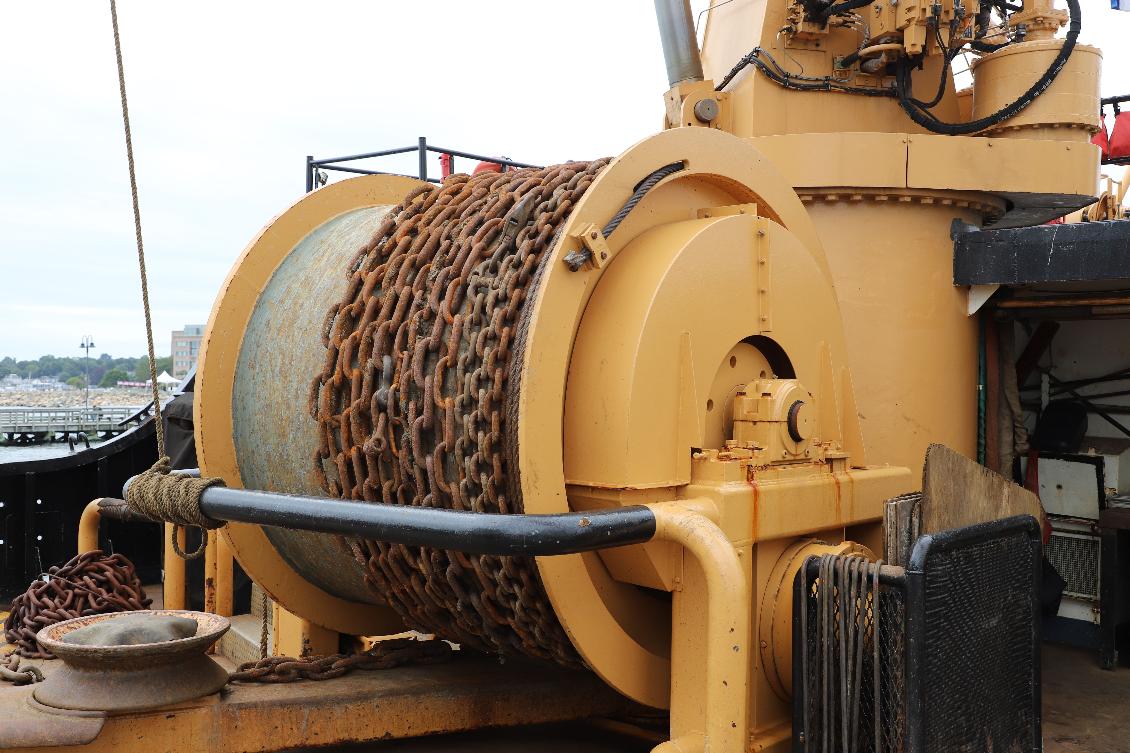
(596, 251)
(761, 249)
(761, 254)
(978, 296)
(726, 211)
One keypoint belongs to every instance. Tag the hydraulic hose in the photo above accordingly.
(987, 47)
(933, 124)
(836, 9)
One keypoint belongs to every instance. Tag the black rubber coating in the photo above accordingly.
(475, 533)
(794, 429)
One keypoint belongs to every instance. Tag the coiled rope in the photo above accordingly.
(160, 495)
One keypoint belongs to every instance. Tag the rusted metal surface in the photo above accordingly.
(28, 724)
(414, 404)
(127, 678)
(280, 353)
(10, 671)
(413, 701)
(91, 583)
(117, 509)
(386, 654)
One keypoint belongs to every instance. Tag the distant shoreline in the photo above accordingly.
(109, 397)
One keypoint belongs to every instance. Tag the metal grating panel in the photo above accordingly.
(1076, 558)
(978, 655)
(958, 648)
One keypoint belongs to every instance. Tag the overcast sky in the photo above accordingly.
(227, 98)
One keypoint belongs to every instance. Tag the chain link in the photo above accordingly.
(10, 671)
(394, 652)
(414, 398)
(90, 583)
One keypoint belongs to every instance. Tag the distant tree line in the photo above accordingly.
(105, 370)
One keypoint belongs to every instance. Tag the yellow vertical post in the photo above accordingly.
(224, 572)
(718, 719)
(210, 572)
(295, 636)
(174, 570)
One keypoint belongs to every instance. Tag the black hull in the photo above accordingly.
(43, 500)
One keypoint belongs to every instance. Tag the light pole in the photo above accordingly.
(87, 344)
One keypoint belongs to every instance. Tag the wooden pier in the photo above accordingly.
(39, 425)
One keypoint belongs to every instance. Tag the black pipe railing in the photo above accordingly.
(471, 532)
(422, 149)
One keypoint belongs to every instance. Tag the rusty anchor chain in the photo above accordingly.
(10, 671)
(91, 583)
(96, 583)
(395, 652)
(414, 403)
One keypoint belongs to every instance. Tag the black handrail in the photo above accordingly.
(422, 148)
(459, 530)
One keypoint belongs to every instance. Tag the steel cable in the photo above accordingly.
(847, 617)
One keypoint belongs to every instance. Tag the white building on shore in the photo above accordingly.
(16, 383)
(186, 348)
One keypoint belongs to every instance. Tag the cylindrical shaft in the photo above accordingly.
(680, 46)
(475, 533)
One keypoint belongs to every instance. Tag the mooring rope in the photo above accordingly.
(156, 494)
(160, 495)
(137, 231)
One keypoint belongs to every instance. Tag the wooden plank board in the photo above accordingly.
(901, 526)
(957, 492)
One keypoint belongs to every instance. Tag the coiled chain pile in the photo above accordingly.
(415, 405)
(90, 583)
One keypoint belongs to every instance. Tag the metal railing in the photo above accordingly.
(51, 420)
(315, 179)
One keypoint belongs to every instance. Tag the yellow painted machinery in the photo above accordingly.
(712, 357)
(690, 359)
